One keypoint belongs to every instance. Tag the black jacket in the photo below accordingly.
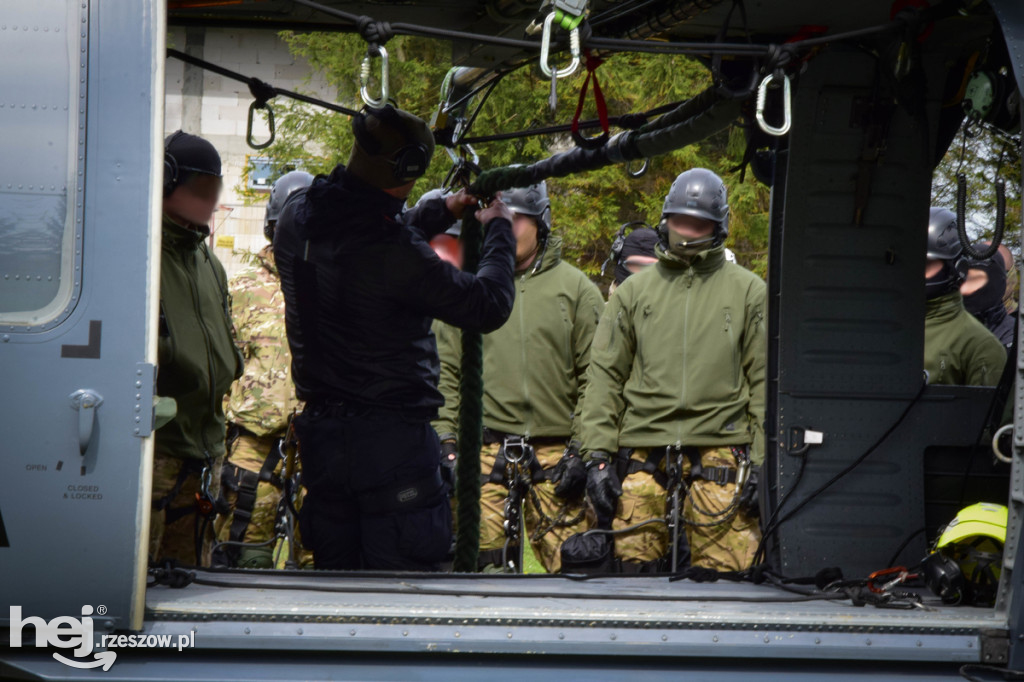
(362, 286)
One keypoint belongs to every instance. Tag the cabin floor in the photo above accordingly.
(556, 614)
(270, 625)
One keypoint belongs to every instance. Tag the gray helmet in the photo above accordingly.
(279, 193)
(700, 193)
(532, 201)
(944, 244)
(943, 240)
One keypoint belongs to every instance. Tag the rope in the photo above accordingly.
(549, 523)
(471, 391)
(374, 32)
(261, 91)
(693, 120)
(602, 109)
(171, 575)
(625, 121)
(368, 29)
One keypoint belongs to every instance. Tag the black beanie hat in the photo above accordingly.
(639, 242)
(191, 154)
(381, 135)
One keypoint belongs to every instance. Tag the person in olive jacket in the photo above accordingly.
(958, 349)
(534, 380)
(677, 383)
(197, 357)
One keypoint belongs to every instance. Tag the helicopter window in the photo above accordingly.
(40, 185)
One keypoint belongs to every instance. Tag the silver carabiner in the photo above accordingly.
(364, 77)
(463, 151)
(637, 173)
(545, 51)
(787, 117)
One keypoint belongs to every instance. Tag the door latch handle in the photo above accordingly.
(85, 402)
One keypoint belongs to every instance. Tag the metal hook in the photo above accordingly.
(364, 77)
(762, 94)
(545, 51)
(270, 123)
(638, 173)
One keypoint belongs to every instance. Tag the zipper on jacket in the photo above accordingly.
(732, 346)
(528, 416)
(685, 345)
(641, 334)
(567, 324)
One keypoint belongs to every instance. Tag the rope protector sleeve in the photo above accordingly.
(693, 120)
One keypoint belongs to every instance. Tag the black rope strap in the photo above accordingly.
(261, 91)
(170, 575)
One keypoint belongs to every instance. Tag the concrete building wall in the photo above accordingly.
(217, 108)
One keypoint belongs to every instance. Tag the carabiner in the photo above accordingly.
(545, 51)
(762, 94)
(364, 77)
(895, 575)
(637, 173)
(270, 123)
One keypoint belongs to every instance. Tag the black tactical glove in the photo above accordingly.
(570, 476)
(603, 487)
(449, 451)
(749, 501)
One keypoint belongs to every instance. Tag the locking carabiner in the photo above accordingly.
(762, 95)
(545, 51)
(364, 77)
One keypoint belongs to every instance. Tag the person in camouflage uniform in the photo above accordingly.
(261, 401)
(676, 393)
(534, 369)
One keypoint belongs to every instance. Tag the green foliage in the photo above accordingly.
(587, 208)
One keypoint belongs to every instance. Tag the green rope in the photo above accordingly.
(471, 394)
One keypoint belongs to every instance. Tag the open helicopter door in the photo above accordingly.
(80, 189)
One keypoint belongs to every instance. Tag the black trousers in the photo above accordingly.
(354, 462)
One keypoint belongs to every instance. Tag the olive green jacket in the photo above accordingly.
(535, 364)
(959, 350)
(679, 359)
(196, 354)
(449, 353)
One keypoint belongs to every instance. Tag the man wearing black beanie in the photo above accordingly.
(197, 357)
(362, 287)
(635, 254)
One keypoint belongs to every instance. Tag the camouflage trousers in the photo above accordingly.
(249, 452)
(173, 529)
(721, 536)
(549, 519)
